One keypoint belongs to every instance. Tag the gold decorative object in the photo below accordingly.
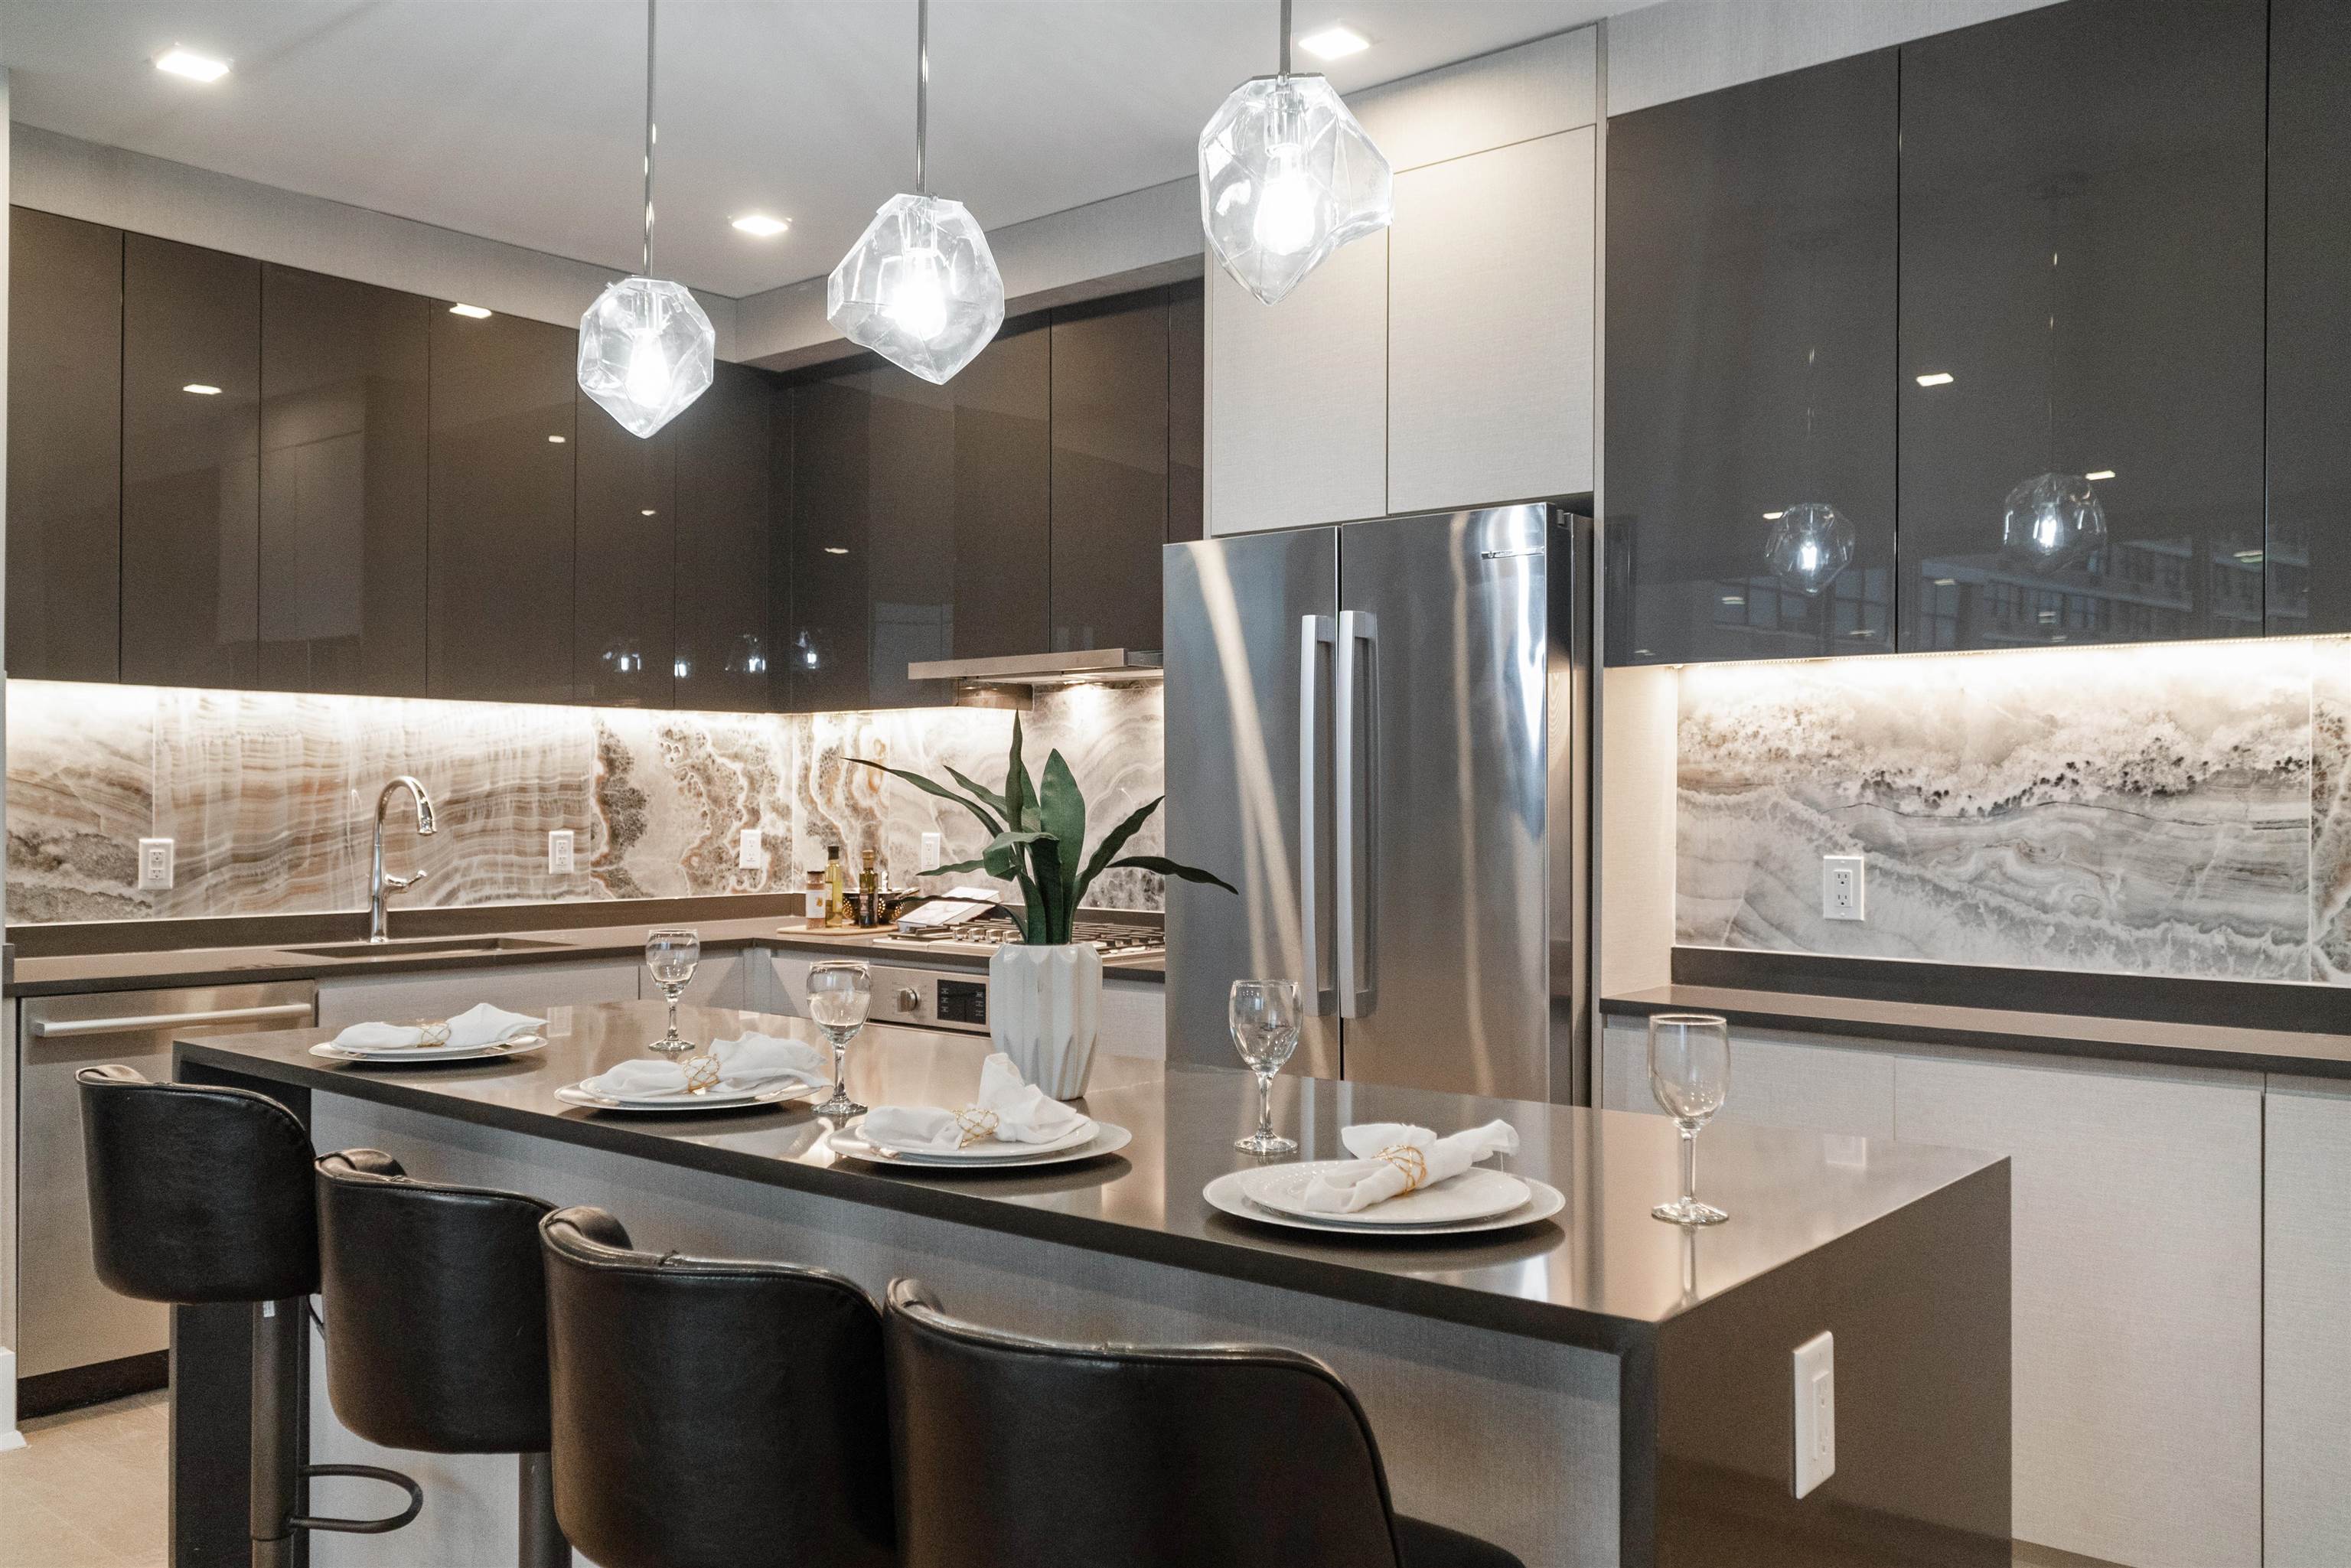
(1409, 1160)
(434, 1033)
(974, 1125)
(702, 1074)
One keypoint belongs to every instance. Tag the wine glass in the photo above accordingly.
(838, 995)
(1689, 1072)
(1264, 1017)
(672, 954)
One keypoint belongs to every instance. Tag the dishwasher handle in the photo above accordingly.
(141, 1023)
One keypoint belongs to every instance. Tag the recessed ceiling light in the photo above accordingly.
(2099, 474)
(1936, 379)
(183, 62)
(1335, 42)
(647, 512)
(1733, 599)
(836, 550)
(201, 389)
(1946, 582)
(1773, 516)
(761, 226)
(471, 312)
(559, 440)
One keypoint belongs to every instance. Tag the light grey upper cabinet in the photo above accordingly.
(1298, 396)
(1489, 327)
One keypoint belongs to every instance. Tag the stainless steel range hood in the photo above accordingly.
(994, 682)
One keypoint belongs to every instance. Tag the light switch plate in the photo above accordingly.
(560, 859)
(749, 855)
(155, 863)
(1815, 1371)
(1842, 886)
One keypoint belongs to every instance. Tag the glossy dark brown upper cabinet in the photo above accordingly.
(1750, 366)
(625, 545)
(501, 508)
(910, 533)
(831, 502)
(724, 466)
(65, 448)
(342, 485)
(191, 463)
(1110, 473)
(1002, 496)
(2306, 558)
(2082, 257)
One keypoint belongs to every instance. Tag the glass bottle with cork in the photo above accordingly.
(836, 890)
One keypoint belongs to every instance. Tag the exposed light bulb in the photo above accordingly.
(1287, 219)
(1809, 557)
(915, 292)
(648, 377)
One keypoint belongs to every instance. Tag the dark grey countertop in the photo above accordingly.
(64, 974)
(1604, 1274)
(2190, 1044)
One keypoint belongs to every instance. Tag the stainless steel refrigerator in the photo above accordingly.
(1376, 731)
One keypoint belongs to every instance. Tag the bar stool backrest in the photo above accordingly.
(197, 1194)
(435, 1309)
(1018, 1450)
(712, 1412)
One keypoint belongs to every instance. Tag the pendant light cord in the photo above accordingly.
(648, 270)
(922, 97)
(1285, 38)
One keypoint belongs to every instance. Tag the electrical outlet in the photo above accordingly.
(1815, 1368)
(155, 863)
(1841, 887)
(935, 850)
(560, 859)
(748, 854)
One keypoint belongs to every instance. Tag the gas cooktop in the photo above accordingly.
(1106, 937)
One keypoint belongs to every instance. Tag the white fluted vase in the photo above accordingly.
(1044, 1004)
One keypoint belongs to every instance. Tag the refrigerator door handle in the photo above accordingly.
(1353, 719)
(1314, 634)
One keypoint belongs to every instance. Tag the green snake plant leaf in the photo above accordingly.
(1045, 862)
(950, 870)
(1167, 867)
(929, 788)
(1061, 812)
(973, 788)
(1107, 851)
(1018, 797)
(1002, 856)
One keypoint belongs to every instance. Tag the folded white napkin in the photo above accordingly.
(1394, 1157)
(481, 1024)
(753, 1061)
(1006, 1110)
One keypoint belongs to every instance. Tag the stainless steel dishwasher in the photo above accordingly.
(67, 1319)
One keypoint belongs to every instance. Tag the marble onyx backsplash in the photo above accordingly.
(2181, 811)
(271, 798)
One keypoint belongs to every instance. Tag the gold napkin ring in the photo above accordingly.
(701, 1073)
(433, 1034)
(1409, 1160)
(974, 1125)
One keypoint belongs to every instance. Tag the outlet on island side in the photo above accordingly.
(154, 865)
(560, 860)
(1841, 887)
(1815, 1391)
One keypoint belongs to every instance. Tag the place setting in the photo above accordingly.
(480, 1033)
(750, 1072)
(1403, 1180)
(1009, 1124)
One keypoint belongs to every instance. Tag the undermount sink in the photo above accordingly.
(444, 946)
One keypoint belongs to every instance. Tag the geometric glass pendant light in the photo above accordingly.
(920, 287)
(1810, 543)
(2052, 519)
(1287, 176)
(645, 346)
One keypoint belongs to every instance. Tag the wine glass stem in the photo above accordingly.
(672, 993)
(840, 1069)
(1689, 1164)
(1265, 1104)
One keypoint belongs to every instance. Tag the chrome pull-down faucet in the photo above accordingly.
(379, 883)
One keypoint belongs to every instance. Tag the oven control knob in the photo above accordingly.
(910, 1000)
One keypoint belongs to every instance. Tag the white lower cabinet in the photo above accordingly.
(2306, 1305)
(2136, 1257)
(720, 980)
(344, 1000)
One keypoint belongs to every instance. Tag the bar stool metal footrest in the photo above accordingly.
(363, 1526)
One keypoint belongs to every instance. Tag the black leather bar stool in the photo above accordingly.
(1012, 1449)
(200, 1196)
(436, 1323)
(710, 1413)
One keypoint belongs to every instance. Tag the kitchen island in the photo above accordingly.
(1598, 1388)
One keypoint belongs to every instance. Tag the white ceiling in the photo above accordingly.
(521, 120)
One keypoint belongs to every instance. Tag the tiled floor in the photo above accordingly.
(87, 1489)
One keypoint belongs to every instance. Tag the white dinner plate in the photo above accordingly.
(1227, 1193)
(392, 1055)
(1478, 1193)
(1108, 1138)
(724, 1100)
(987, 1151)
